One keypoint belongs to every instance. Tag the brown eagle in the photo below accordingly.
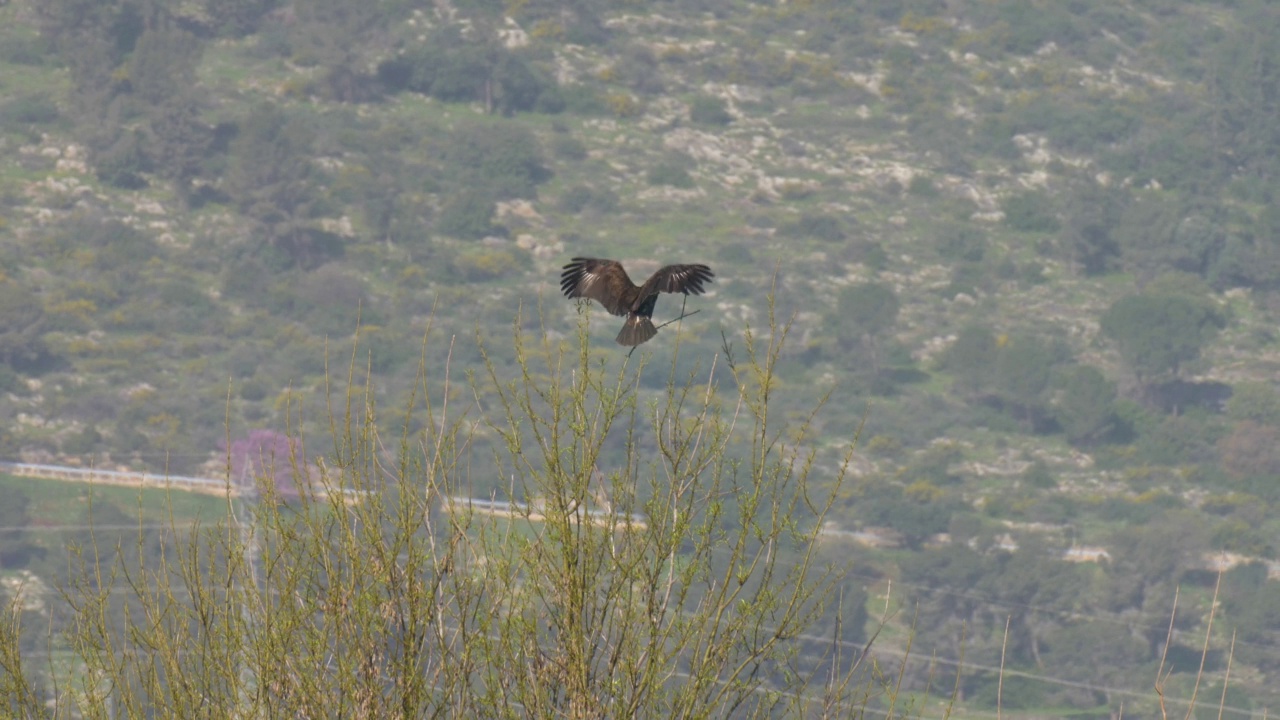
(608, 284)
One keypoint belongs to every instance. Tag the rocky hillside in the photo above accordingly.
(1034, 246)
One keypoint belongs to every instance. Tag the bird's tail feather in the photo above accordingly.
(636, 330)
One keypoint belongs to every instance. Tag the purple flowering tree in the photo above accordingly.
(269, 454)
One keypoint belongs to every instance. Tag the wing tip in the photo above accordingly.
(571, 278)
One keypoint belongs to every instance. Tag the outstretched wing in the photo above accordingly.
(601, 280)
(687, 279)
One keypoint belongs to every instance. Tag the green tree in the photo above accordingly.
(269, 177)
(866, 309)
(99, 104)
(237, 17)
(163, 65)
(1243, 86)
(949, 618)
(1160, 232)
(1254, 400)
(1093, 651)
(497, 157)
(814, 225)
(1030, 211)
(1022, 370)
(1149, 560)
(452, 68)
(21, 324)
(180, 143)
(672, 169)
(1040, 588)
(1158, 333)
(1088, 237)
(329, 34)
(971, 359)
(864, 314)
(69, 23)
(1084, 403)
(1177, 440)
(1251, 450)
(468, 215)
(709, 110)
(1252, 609)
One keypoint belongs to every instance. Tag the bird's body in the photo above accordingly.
(608, 284)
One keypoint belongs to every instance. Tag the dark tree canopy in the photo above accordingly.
(21, 321)
(1084, 403)
(270, 178)
(497, 156)
(1022, 369)
(971, 359)
(163, 65)
(1088, 235)
(1158, 333)
(866, 309)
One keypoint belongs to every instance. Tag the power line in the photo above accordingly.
(93, 526)
(1140, 622)
(1061, 682)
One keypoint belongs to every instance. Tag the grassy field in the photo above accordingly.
(59, 503)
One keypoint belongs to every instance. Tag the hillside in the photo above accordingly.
(1031, 249)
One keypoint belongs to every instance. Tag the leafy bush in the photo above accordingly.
(865, 310)
(709, 110)
(22, 50)
(962, 242)
(84, 442)
(269, 178)
(451, 68)
(163, 65)
(21, 319)
(254, 389)
(1085, 403)
(1255, 400)
(922, 186)
(9, 380)
(1158, 333)
(468, 215)
(580, 197)
(331, 300)
(1030, 211)
(122, 162)
(237, 18)
(497, 158)
(487, 264)
(814, 225)
(623, 105)
(384, 349)
(583, 100)
(670, 172)
(568, 147)
(735, 254)
(34, 109)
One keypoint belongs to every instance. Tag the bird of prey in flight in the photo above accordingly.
(608, 284)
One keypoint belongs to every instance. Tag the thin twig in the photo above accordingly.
(1226, 680)
(728, 350)
(1204, 652)
(682, 316)
(1161, 675)
(1000, 682)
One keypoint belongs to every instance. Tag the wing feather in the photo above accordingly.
(601, 280)
(687, 279)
